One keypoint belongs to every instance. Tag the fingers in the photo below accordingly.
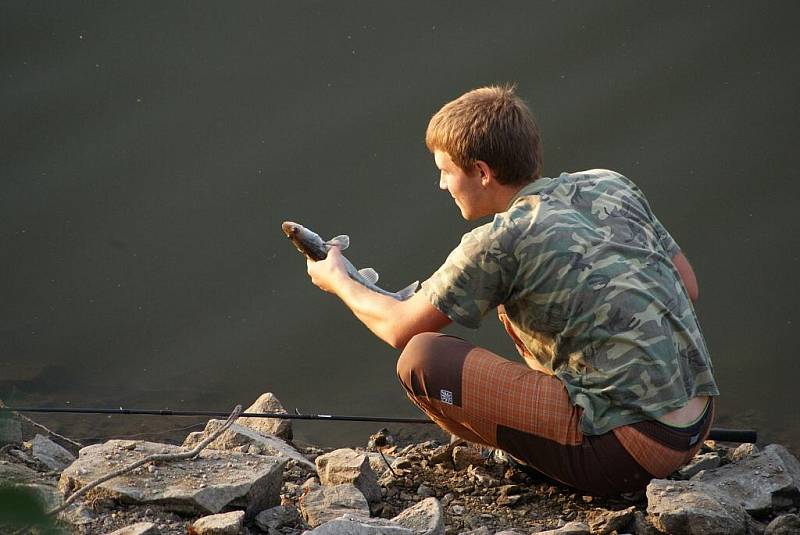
(334, 252)
(325, 274)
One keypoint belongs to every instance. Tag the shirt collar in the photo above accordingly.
(532, 188)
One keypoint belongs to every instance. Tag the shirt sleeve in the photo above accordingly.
(665, 238)
(475, 277)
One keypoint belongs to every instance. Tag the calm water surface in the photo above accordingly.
(150, 151)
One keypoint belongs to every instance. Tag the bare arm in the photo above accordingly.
(393, 321)
(687, 275)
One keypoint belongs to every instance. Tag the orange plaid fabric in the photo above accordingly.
(497, 391)
(655, 457)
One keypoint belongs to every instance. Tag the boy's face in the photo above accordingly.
(464, 186)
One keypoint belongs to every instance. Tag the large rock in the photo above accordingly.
(762, 482)
(604, 522)
(380, 463)
(10, 429)
(277, 517)
(784, 525)
(50, 454)
(17, 473)
(221, 524)
(356, 525)
(348, 466)
(207, 484)
(268, 426)
(47, 495)
(322, 504)
(691, 508)
(742, 452)
(423, 518)
(140, 528)
(244, 439)
(570, 528)
(700, 462)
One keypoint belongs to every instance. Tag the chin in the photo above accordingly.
(471, 215)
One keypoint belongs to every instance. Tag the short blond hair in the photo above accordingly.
(491, 124)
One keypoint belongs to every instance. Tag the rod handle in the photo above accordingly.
(733, 435)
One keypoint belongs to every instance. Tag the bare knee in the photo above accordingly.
(416, 356)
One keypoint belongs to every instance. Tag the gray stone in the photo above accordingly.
(220, 524)
(642, 525)
(743, 451)
(509, 532)
(425, 491)
(206, 484)
(140, 528)
(50, 454)
(16, 473)
(10, 429)
(401, 463)
(691, 508)
(765, 481)
(268, 426)
(457, 509)
(570, 528)
(423, 518)
(377, 463)
(483, 530)
(322, 504)
(47, 495)
(277, 517)
(603, 522)
(703, 461)
(78, 515)
(348, 466)
(464, 456)
(357, 525)
(246, 440)
(784, 525)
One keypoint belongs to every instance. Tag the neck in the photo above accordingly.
(504, 194)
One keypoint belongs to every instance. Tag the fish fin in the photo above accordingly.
(408, 291)
(370, 274)
(342, 241)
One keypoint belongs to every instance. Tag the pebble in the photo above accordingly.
(425, 491)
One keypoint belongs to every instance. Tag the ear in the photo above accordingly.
(486, 172)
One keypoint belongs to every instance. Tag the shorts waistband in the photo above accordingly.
(678, 438)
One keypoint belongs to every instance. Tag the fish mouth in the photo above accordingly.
(289, 228)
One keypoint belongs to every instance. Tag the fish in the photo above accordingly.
(313, 247)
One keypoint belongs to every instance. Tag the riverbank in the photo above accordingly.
(252, 480)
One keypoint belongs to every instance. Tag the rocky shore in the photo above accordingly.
(253, 480)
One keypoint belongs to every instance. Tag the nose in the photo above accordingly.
(442, 183)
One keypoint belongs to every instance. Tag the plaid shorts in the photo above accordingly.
(484, 398)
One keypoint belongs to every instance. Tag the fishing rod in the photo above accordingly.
(716, 433)
(166, 412)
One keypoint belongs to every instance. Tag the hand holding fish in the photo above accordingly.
(394, 317)
(329, 273)
(328, 267)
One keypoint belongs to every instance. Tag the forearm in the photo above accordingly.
(686, 272)
(395, 322)
(378, 312)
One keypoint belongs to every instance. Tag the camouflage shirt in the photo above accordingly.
(583, 270)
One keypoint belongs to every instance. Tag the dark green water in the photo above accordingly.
(150, 150)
